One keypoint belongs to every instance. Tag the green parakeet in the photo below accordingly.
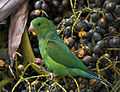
(55, 54)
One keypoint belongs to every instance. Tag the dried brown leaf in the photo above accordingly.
(7, 7)
(17, 27)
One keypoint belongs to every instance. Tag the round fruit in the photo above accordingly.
(81, 53)
(93, 82)
(107, 55)
(68, 22)
(100, 30)
(82, 34)
(112, 29)
(38, 61)
(67, 32)
(90, 34)
(96, 36)
(110, 6)
(89, 46)
(38, 4)
(87, 59)
(55, 3)
(109, 17)
(117, 10)
(71, 42)
(57, 19)
(98, 50)
(65, 3)
(35, 13)
(94, 17)
(101, 43)
(102, 22)
(44, 6)
(21, 67)
(114, 42)
(60, 9)
(84, 24)
(95, 57)
(98, 2)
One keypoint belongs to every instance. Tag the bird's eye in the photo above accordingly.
(39, 24)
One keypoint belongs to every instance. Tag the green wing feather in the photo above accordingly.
(61, 54)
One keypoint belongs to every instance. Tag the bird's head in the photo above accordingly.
(41, 26)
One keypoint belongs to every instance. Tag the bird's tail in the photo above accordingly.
(103, 81)
(90, 75)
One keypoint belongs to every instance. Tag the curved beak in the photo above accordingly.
(31, 29)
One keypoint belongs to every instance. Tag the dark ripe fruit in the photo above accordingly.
(57, 19)
(95, 57)
(110, 6)
(98, 50)
(114, 42)
(68, 22)
(89, 46)
(87, 50)
(38, 4)
(96, 37)
(71, 42)
(60, 9)
(87, 59)
(100, 30)
(65, 3)
(94, 17)
(117, 10)
(116, 24)
(84, 24)
(67, 31)
(109, 17)
(100, 43)
(106, 43)
(102, 22)
(76, 45)
(55, 3)
(112, 29)
(84, 41)
(90, 34)
(38, 61)
(44, 6)
(79, 26)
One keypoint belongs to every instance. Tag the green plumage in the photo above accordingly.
(56, 55)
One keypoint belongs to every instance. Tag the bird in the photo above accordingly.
(55, 53)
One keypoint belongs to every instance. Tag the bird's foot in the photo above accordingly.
(51, 76)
